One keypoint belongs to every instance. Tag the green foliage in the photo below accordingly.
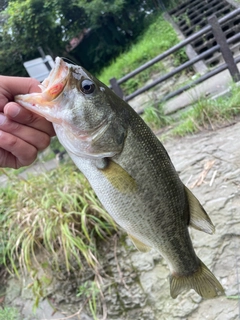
(26, 24)
(113, 27)
(154, 116)
(31, 22)
(172, 3)
(51, 214)
(237, 297)
(180, 57)
(91, 293)
(183, 128)
(8, 313)
(205, 114)
(157, 38)
(209, 114)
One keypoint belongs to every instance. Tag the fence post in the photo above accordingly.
(224, 48)
(47, 64)
(116, 88)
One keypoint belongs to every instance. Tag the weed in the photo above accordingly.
(180, 57)
(154, 116)
(186, 19)
(54, 215)
(184, 128)
(91, 292)
(205, 113)
(173, 3)
(209, 113)
(9, 313)
(52, 212)
(234, 297)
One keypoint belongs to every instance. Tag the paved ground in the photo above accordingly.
(210, 88)
(209, 164)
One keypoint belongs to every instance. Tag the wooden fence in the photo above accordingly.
(222, 44)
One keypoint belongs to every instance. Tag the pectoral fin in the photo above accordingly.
(198, 216)
(139, 245)
(119, 178)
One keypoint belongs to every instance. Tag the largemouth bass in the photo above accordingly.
(129, 169)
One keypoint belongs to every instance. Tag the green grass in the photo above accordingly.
(233, 297)
(154, 116)
(9, 314)
(204, 114)
(158, 37)
(209, 114)
(51, 212)
(90, 291)
(56, 213)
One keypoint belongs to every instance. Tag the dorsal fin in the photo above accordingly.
(198, 216)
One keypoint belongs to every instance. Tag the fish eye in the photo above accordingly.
(87, 86)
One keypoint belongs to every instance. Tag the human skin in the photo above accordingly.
(22, 133)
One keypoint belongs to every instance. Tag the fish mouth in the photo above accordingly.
(43, 102)
(54, 84)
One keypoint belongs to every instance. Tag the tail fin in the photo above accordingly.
(202, 281)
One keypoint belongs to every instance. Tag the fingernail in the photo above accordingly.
(13, 111)
(2, 118)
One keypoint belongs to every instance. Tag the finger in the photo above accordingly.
(18, 85)
(14, 152)
(24, 116)
(7, 160)
(11, 86)
(36, 138)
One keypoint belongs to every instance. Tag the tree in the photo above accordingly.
(102, 27)
(28, 24)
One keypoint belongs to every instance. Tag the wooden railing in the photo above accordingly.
(222, 44)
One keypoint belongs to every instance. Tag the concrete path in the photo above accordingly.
(209, 164)
(210, 88)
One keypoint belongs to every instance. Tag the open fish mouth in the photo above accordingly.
(43, 102)
(54, 84)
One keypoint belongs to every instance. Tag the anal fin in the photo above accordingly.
(199, 219)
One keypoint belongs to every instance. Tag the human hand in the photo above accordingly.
(22, 133)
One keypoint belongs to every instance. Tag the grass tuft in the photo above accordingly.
(8, 313)
(56, 213)
(154, 116)
(209, 114)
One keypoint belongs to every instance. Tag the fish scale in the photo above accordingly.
(129, 169)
